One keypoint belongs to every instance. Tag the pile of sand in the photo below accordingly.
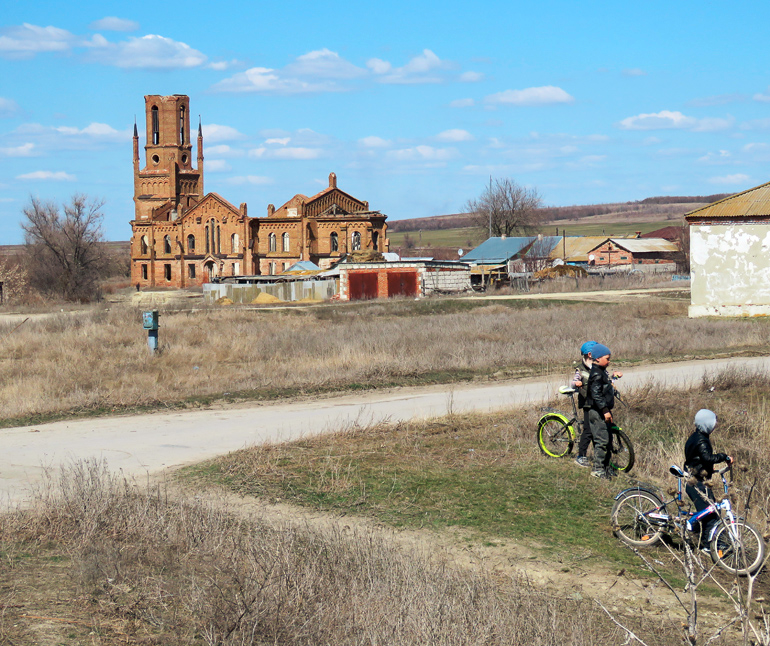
(310, 300)
(365, 256)
(263, 298)
(223, 301)
(561, 270)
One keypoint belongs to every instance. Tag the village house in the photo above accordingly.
(730, 255)
(182, 237)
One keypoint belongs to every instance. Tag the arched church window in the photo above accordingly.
(235, 243)
(219, 241)
(286, 241)
(145, 246)
(335, 241)
(155, 126)
(191, 243)
(207, 238)
(356, 240)
(375, 239)
(181, 125)
(271, 242)
(167, 244)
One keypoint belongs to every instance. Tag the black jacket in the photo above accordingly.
(699, 457)
(601, 392)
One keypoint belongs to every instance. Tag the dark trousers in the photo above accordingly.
(696, 493)
(586, 437)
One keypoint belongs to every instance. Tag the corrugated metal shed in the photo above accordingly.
(577, 248)
(494, 251)
(645, 245)
(303, 266)
(752, 203)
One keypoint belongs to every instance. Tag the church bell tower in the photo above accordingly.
(168, 184)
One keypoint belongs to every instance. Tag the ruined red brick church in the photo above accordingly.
(182, 237)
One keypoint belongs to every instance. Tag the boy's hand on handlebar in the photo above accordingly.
(607, 417)
(578, 383)
(616, 374)
(730, 460)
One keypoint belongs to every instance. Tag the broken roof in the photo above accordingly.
(576, 248)
(645, 245)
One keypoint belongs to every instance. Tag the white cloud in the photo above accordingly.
(719, 157)
(379, 66)
(374, 142)
(462, 103)
(8, 108)
(58, 176)
(214, 133)
(471, 77)
(762, 98)
(147, 52)
(223, 150)
(545, 95)
(293, 153)
(634, 71)
(278, 141)
(668, 119)
(256, 180)
(737, 179)
(323, 63)
(317, 71)
(718, 99)
(423, 153)
(25, 150)
(756, 124)
(217, 166)
(220, 66)
(24, 41)
(455, 135)
(754, 147)
(423, 68)
(111, 23)
(96, 130)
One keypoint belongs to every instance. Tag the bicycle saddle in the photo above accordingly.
(566, 390)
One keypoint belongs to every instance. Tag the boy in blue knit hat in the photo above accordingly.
(600, 402)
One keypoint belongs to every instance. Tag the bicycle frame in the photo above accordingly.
(661, 518)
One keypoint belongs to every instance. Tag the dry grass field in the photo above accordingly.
(99, 560)
(97, 361)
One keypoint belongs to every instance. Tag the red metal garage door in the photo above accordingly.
(362, 285)
(402, 283)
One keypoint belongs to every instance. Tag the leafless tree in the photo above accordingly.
(506, 208)
(65, 251)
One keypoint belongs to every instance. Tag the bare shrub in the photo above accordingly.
(180, 569)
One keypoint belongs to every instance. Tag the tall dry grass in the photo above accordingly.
(99, 359)
(183, 572)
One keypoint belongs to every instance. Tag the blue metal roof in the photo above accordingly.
(499, 250)
(302, 265)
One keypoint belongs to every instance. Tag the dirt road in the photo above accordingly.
(148, 444)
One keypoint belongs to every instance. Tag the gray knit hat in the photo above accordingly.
(705, 420)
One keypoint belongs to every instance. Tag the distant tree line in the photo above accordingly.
(666, 206)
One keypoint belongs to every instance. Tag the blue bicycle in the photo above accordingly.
(640, 518)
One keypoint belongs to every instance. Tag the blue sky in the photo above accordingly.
(413, 104)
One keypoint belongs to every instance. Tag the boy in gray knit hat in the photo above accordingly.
(699, 460)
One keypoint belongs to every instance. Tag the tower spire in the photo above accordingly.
(200, 157)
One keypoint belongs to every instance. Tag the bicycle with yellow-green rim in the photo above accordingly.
(557, 434)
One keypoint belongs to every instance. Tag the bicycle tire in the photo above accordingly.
(555, 435)
(749, 555)
(629, 518)
(622, 456)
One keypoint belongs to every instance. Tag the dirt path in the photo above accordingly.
(139, 445)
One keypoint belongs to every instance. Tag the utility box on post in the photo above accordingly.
(150, 323)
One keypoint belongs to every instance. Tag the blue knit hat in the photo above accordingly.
(600, 351)
(587, 348)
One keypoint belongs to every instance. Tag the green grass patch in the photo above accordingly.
(439, 476)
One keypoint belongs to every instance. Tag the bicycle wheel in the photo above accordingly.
(631, 521)
(621, 451)
(742, 554)
(555, 435)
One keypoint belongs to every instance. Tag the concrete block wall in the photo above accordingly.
(444, 280)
